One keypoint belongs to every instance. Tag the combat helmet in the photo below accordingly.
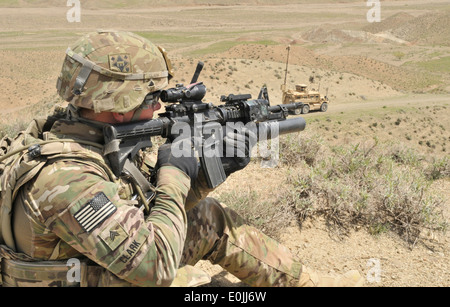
(112, 71)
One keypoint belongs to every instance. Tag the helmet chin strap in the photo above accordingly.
(137, 114)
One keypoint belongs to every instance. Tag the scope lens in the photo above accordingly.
(164, 96)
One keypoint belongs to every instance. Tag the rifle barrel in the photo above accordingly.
(290, 125)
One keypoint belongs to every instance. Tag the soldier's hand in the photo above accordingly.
(237, 150)
(179, 155)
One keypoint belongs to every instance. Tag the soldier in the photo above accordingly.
(67, 203)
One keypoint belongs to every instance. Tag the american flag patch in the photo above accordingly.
(95, 212)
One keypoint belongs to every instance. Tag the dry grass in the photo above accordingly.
(377, 186)
(266, 216)
(380, 186)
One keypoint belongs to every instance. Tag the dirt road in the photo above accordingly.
(371, 84)
(407, 100)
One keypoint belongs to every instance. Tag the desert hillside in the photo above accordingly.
(368, 179)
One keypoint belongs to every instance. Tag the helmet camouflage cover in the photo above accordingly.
(111, 71)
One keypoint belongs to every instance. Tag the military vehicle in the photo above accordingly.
(311, 100)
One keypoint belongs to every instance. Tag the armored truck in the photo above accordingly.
(311, 100)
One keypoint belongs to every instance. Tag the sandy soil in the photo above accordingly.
(362, 66)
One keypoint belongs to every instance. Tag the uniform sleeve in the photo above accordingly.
(85, 211)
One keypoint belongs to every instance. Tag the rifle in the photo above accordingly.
(206, 122)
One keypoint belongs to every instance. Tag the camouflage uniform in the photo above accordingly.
(64, 201)
(139, 250)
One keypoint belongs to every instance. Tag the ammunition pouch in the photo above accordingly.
(16, 273)
(19, 270)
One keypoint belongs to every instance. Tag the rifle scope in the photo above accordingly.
(194, 92)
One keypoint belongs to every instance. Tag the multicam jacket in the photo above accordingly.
(75, 208)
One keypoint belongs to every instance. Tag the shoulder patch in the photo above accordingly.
(94, 212)
(114, 235)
